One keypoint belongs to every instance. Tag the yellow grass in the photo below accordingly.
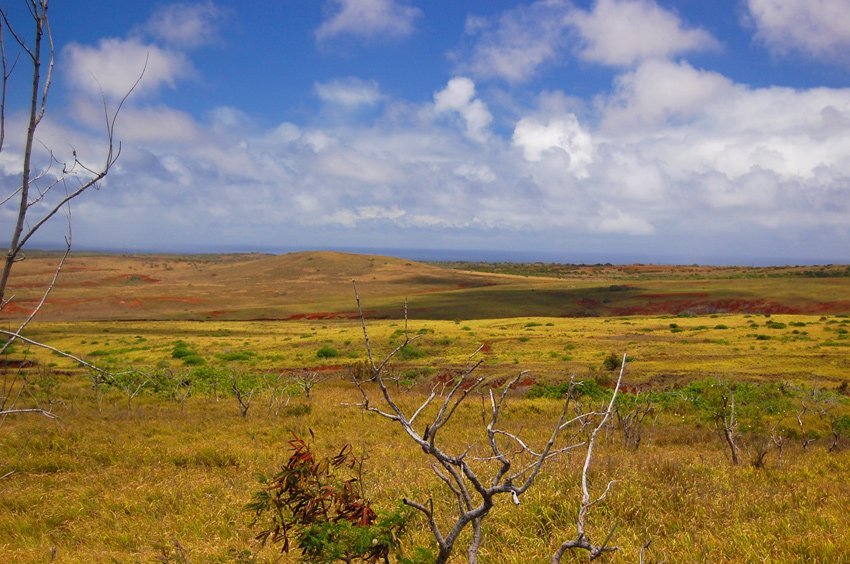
(664, 350)
(103, 484)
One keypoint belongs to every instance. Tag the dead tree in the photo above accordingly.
(243, 396)
(278, 393)
(307, 380)
(48, 184)
(779, 442)
(728, 425)
(631, 421)
(582, 541)
(474, 481)
(132, 384)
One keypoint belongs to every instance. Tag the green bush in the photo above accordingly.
(612, 362)
(327, 351)
(193, 360)
(587, 388)
(410, 352)
(232, 356)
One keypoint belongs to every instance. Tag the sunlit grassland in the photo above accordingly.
(314, 285)
(104, 483)
(667, 349)
(161, 478)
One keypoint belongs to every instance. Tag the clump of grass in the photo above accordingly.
(410, 352)
(327, 351)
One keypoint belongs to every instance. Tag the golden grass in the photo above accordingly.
(103, 484)
(664, 350)
(318, 284)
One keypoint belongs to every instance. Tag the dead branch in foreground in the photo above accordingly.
(509, 467)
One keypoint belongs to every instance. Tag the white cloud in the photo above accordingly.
(114, 65)
(817, 28)
(368, 19)
(186, 25)
(349, 92)
(513, 45)
(624, 32)
(613, 220)
(476, 173)
(564, 134)
(459, 96)
(616, 33)
(737, 159)
(659, 91)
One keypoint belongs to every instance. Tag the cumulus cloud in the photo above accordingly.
(564, 134)
(349, 92)
(515, 44)
(114, 65)
(186, 25)
(624, 32)
(368, 19)
(459, 97)
(817, 28)
(732, 159)
(660, 91)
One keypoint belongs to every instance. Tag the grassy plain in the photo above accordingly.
(165, 475)
(318, 285)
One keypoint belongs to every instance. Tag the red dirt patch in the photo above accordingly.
(732, 305)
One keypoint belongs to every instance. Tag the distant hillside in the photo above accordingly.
(245, 286)
(318, 285)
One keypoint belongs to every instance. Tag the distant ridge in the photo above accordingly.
(317, 285)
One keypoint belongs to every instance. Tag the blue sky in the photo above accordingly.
(683, 130)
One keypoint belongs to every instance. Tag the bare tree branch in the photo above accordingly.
(474, 493)
(70, 356)
(581, 540)
(44, 412)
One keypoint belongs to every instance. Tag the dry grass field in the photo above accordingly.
(156, 462)
(318, 285)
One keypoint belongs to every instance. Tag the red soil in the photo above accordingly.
(731, 305)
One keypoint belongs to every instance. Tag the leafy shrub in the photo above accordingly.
(588, 388)
(614, 361)
(841, 426)
(324, 514)
(193, 360)
(231, 356)
(181, 350)
(327, 351)
(410, 352)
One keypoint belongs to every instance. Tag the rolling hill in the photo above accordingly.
(318, 285)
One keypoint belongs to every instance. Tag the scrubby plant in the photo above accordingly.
(327, 351)
(324, 515)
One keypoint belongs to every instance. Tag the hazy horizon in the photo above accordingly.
(465, 255)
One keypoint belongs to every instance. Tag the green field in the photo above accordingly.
(153, 460)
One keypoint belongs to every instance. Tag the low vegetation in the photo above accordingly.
(728, 441)
(160, 463)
